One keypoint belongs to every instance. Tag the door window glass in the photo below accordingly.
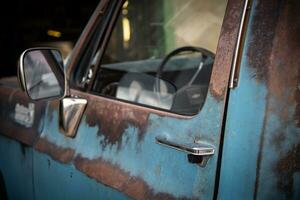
(161, 52)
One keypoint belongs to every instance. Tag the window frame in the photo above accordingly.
(217, 87)
(99, 21)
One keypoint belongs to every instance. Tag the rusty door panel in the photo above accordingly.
(127, 158)
(115, 143)
(261, 155)
(11, 97)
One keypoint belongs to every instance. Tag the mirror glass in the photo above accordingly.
(43, 73)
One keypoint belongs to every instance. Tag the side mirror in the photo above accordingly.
(41, 73)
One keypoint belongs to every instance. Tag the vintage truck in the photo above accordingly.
(165, 99)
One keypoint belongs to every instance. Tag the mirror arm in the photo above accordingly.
(71, 110)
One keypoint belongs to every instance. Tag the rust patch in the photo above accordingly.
(113, 118)
(102, 171)
(276, 60)
(113, 176)
(63, 155)
(286, 168)
(225, 51)
(283, 75)
(262, 35)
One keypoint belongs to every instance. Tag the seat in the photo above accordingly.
(140, 88)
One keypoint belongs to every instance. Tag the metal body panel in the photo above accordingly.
(65, 182)
(17, 168)
(115, 143)
(132, 162)
(262, 136)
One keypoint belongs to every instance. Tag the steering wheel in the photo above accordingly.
(110, 89)
(205, 54)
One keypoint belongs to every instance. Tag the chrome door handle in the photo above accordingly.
(197, 149)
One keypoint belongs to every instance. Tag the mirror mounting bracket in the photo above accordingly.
(71, 109)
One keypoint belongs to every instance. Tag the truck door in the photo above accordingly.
(155, 77)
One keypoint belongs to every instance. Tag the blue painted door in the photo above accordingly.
(261, 151)
(114, 154)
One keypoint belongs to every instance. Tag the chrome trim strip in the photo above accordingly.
(21, 71)
(233, 80)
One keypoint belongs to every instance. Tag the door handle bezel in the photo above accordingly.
(196, 148)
